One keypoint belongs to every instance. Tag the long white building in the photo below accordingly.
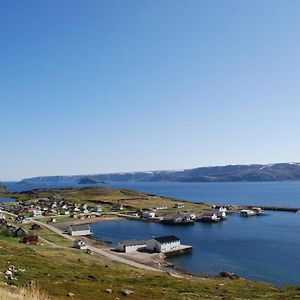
(163, 244)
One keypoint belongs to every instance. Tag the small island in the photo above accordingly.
(89, 180)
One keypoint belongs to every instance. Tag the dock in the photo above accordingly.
(182, 250)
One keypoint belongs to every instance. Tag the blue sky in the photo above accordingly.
(102, 86)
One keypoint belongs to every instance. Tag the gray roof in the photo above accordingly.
(79, 227)
(167, 239)
(132, 242)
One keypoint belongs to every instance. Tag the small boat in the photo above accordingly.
(178, 221)
(298, 211)
(209, 217)
(247, 213)
(208, 220)
(258, 211)
(222, 215)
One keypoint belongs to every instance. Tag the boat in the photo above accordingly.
(247, 213)
(208, 220)
(209, 217)
(298, 211)
(178, 221)
(258, 211)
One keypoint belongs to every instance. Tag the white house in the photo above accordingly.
(2, 216)
(78, 244)
(130, 245)
(78, 230)
(149, 215)
(179, 205)
(161, 207)
(163, 244)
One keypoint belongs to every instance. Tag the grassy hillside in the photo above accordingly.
(105, 195)
(60, 271)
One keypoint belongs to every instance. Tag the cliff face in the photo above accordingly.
(229, 173)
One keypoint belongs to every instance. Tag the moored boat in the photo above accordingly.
(209, 217)
(247, 213)
(258, 211)
(177, 222)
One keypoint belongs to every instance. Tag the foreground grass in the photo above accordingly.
(27, 293)
(58, 272)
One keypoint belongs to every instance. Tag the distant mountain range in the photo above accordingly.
(229, 173)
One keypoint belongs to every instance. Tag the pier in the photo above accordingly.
(269, 208)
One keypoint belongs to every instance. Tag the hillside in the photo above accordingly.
(229, 173)
(2, 188)
(61, 271)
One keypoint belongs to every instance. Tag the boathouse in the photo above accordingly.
(130, 245)
(79, 230)
(163, 244)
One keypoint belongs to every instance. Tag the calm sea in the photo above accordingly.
(262, 248)
(286, 193)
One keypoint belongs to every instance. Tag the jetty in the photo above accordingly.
(236, 208)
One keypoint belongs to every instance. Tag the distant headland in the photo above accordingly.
(228, 173)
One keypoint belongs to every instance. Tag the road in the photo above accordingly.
(92, 248)
(97, 250)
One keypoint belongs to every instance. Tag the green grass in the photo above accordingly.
(60, 271)
(108, 197)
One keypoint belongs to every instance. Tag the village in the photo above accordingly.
(55, 209)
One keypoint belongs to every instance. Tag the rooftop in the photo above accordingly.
(132, 242)
(167, 239)
(79, 227)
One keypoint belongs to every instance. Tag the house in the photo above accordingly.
(2, 216)
(161, 207)
(149, 215)
(130, 245)
(30, 239)
(34, 212)
(79, 244)
(179, 205)
(163, 244)
(79, 230)
(21, 220)
(36, 227)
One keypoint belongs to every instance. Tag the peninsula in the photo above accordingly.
(229, 173)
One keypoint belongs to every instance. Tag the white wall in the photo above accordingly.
(127, 249)
(154, 244)
(79, 233)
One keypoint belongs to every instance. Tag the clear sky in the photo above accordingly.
(102, 86)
